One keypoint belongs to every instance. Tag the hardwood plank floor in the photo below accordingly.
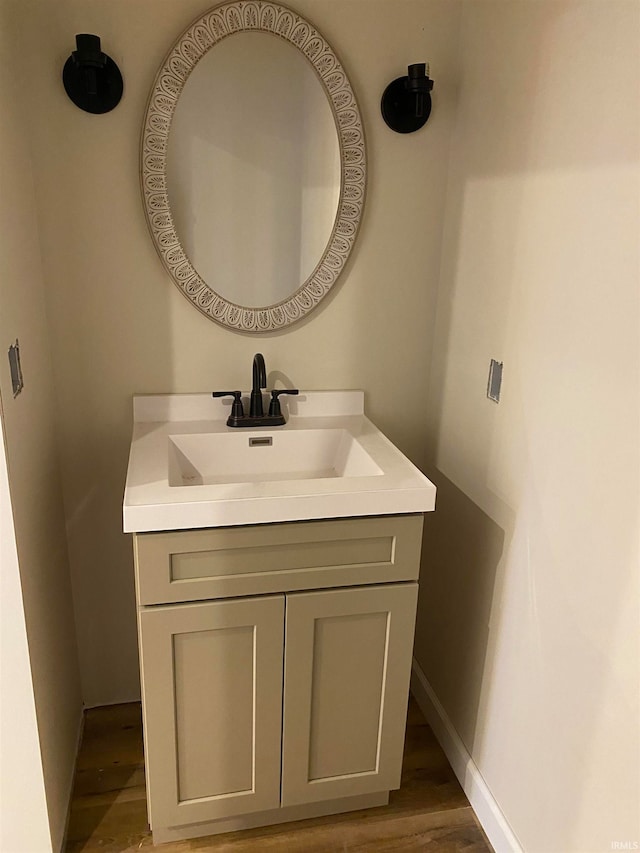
(109, 814)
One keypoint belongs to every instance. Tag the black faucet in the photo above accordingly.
(259, 382)
(256, 416)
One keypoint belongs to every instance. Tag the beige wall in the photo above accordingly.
(21, 777)
(119, 326)
(34, 479)
(528, 623)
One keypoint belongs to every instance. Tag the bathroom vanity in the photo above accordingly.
(276, 565)
(276, 581)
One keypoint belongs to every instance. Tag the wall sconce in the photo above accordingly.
(406, 102)
(91, 78)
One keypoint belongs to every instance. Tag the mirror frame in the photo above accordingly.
(209, 29)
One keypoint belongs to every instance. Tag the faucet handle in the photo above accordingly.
(237, 409)
(274, 406)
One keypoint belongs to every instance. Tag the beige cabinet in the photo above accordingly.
(212, 676)
(281, 705)
(347, 668)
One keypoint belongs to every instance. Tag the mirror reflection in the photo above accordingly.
(253, 169)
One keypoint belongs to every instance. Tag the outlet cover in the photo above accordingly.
(494, 384)
(17, 382)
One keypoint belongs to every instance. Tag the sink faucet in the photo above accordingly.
(259, 382)
(256, 416)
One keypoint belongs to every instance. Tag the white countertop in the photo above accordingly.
(151, 504)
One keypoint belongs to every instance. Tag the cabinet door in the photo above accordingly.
(347, 668)
(212, 686)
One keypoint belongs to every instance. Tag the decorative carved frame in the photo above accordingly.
(216, 24)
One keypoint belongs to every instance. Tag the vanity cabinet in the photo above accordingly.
(282, 704)
(347, 666)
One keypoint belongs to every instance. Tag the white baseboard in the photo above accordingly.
(482, 801)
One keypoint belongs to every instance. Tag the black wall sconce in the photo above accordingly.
(91, 78)
(406, 102)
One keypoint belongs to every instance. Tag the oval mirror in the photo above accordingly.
(253, 165)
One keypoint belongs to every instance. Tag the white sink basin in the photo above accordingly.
(249, 456)
(187, 469)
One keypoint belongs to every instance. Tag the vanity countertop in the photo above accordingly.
(151, 503)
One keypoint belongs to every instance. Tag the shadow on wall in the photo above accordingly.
(462, 550)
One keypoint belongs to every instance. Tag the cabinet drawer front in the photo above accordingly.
(346, 685)
(212, 681)
(231, 562)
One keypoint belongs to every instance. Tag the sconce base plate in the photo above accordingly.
(109, 87)
(399, 108)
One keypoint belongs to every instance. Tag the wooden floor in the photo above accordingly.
(108, 813)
